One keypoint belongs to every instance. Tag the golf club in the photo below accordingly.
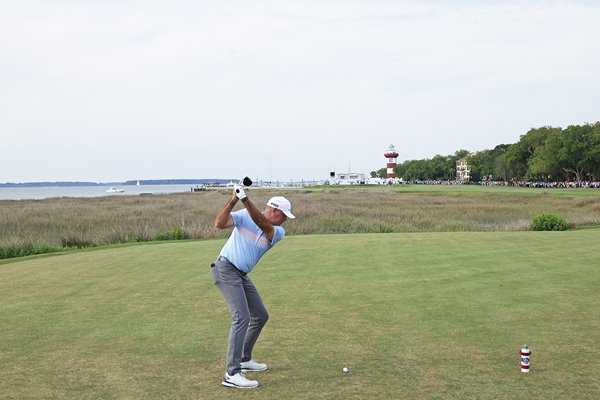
(246, 181)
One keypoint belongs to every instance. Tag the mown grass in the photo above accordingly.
(414, 316)
(84, 222)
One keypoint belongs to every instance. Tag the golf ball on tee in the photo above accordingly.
(345, 370)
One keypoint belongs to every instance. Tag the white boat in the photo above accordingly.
(113, 189)
(138, 183)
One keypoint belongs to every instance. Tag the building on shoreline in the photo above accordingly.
(463, 171)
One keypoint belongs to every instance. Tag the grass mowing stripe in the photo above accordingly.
(427, 315)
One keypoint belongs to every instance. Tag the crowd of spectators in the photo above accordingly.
(437, 182)
(545, 185)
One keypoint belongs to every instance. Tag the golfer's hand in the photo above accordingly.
(239, 192)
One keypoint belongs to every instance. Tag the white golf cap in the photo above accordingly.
(283, 204)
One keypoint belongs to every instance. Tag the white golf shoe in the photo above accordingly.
(253, 366)
(239, 381)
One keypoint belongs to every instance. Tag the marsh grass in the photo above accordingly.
(84, 222)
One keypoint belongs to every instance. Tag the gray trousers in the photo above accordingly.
(248, 313)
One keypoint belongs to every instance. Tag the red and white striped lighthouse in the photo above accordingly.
(391, 154)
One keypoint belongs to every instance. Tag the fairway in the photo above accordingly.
(412, 315)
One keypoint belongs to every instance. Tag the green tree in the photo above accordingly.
(439, 168)
(481, 163)
(415, 170)
(578, 151)
(592, 156)
(569, 154)
(422, 170)
(442, 167)
(460, 154)
(380, 173)
(541, 154)
(539, 166)
(484, 163)
(400, 170)
(501, 167)
(518, 154)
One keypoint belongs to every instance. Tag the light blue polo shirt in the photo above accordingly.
(248, 243)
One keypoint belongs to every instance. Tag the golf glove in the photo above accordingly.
(239, 192)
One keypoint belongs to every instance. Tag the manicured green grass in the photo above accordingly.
(419, 315)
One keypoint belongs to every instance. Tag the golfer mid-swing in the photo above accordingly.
(254, 233)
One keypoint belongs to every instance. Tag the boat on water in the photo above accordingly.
(113, 189)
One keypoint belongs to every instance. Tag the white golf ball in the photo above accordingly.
(345, 370)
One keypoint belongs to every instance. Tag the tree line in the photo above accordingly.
(545, 154)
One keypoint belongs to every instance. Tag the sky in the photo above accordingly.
(110, 90)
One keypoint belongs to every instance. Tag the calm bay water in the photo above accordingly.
(45, 192)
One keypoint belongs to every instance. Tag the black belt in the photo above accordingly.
(221, 258)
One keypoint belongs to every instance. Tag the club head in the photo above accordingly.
(246, 181)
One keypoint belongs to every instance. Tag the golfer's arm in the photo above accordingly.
(224, 219)
(259, 219)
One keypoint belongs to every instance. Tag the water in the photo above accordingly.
(45, 192)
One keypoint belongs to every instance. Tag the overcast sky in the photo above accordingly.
(109, 90)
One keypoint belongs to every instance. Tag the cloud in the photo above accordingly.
(282, 88)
